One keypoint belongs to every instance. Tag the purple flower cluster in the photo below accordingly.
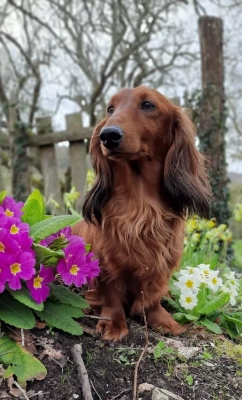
(17, 259)
(77, 267)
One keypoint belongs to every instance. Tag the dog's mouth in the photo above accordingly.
(125, 155)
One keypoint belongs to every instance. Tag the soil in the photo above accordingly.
(111, 367)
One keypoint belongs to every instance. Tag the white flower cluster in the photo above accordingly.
(191, 278)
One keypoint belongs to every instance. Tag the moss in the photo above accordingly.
(230, 350)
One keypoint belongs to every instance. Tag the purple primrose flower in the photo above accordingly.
(38, 284)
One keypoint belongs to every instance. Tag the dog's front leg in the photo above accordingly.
(110, 301)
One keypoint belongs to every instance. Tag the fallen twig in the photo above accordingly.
(21, 390)
(95, 390)
(120, 394)
(96, 317)
(22, 337)
(142, 354)
(85, 384)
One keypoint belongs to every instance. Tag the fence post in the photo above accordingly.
(18, 134)
(212, 113)
(78, 152)
(175, 101)
(49, 168)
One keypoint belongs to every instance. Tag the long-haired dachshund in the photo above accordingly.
(149, 177)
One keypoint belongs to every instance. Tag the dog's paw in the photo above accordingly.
(112, 330)
(174, 328)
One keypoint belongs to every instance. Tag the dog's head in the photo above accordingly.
(141, 124)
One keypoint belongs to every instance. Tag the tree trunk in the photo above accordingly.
(212, 113)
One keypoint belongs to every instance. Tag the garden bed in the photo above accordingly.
(214, 372)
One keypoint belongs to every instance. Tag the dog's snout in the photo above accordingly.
(111, 136)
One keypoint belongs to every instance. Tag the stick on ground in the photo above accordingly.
(82, 372)
(142, 354)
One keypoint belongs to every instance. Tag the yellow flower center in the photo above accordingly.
(9, 213)
(14, 229)
(2, 247)
(214, 281)
(188, 300)
(189, 284)
(206, 272)
(15, 268)
(37, 282)
(232, 281)
(74, 269)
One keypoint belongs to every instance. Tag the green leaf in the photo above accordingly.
(52, 225)
(181, 316)
(2, 196)
(190, 317)
(211, 326)
(59, 316)
(20, 363)
(15, 313)
(178, 316)
(231, 329)
(24, 297)
(236, 321)
(175, 291)
(46, 256)
(215, 303)
(173, 303)
(65, 296)
(34, 208)
(88, 247)
(201, 296)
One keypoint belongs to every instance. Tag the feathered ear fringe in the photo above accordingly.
(101, 191)
(185, 179)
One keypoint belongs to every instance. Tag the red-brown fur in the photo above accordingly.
(135, 211)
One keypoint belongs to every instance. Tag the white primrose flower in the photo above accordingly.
(204, 272)
(214, 282)
(232, 280)
(232, 292)
(188, 271)
(188, 282)
(188, 301)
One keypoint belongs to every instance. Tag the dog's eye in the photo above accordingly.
(147, 106)
(110, 109)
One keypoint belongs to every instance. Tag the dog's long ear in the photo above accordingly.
(101, 191)
(185, 179)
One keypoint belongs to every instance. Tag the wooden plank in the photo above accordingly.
(212, 113)
(51, 138)
(49, 169)
(78, 152)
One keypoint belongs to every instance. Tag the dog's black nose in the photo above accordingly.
(111, 136)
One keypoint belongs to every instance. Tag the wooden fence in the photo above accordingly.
(44, 142)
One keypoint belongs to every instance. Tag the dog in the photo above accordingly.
(149, 178)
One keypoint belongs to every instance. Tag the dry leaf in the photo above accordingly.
(24, 338)
(13, 390)
(4, 395)
(2, 370)
(40, 325)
